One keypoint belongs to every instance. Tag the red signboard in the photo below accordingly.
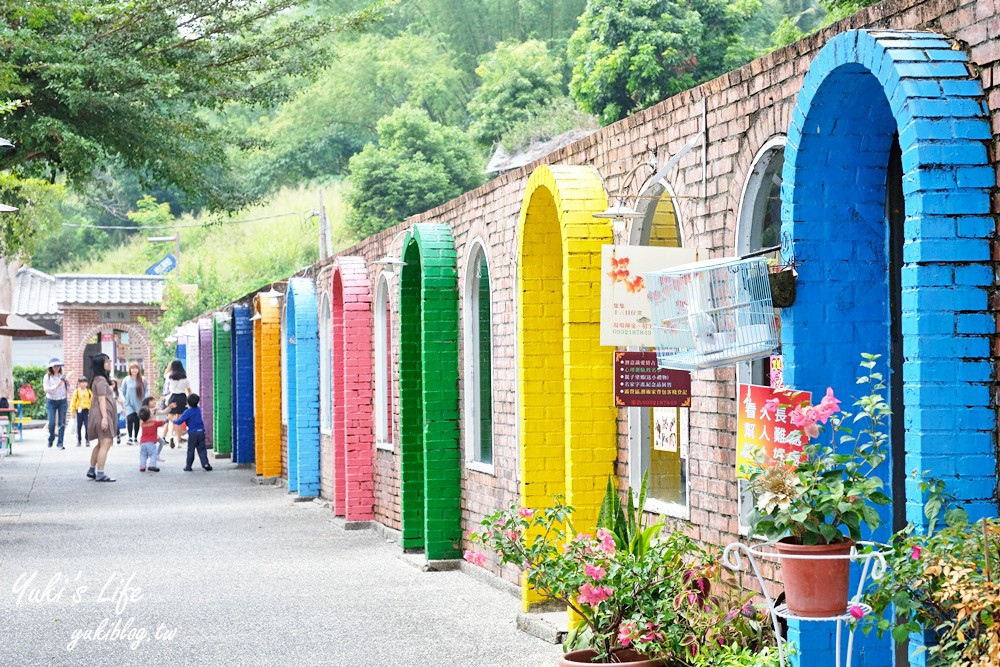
(640, 383)
(763, 434)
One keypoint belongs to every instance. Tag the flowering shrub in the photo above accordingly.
(815, 495)
(945, 582)
(659, 594)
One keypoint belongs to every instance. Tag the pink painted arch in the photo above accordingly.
(353, 390)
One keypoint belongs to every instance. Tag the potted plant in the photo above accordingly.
(944, 583)
(642, 596)
(816, 502)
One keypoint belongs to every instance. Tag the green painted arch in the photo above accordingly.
(430, 460)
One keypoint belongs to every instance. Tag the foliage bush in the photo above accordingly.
(31, 375)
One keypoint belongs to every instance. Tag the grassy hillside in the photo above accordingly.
(279, 237)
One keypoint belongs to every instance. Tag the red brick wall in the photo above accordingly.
(80, 325)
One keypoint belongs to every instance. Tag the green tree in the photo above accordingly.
(630, 54)
(416, 165)
(131, 82)
(517, 78)
(315, 133)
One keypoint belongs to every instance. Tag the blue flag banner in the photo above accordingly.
(165, 265)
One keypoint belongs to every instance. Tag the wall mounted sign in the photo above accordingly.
(760, 433)
(105, 316)
(626, 320)
(640, 383)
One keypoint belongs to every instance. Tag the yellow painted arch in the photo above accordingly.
(567, 419)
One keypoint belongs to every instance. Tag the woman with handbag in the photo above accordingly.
(56, 388)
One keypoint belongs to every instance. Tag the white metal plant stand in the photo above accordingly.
(872, 565)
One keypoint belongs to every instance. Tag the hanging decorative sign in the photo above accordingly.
(761, 433)
(640, 383)
(777, 371)
(625, 316)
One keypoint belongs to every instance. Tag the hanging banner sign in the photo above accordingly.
(626, 320)
(761, 433)
(640, 383)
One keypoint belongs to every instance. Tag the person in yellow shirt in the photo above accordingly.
(80, 406)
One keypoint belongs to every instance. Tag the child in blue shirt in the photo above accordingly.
(196, 432)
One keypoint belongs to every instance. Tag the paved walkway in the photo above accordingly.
(225, 571)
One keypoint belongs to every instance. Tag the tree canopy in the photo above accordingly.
(416, 165)
(630, 54)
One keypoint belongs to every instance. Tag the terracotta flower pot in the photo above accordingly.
(626, 658)
(816, 587)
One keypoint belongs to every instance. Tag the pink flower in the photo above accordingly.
(915, 553)
(593, 595)
(525, 513)
(582, 537)
(857, 612)
(594, 572)
(475, 558)
(811, 430)
(772, 405)
(626, 631)
(512, 535)
(607, 544)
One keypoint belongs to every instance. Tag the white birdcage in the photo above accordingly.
(712, 313)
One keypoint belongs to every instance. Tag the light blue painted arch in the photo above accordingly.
(302, 348)
(861, 89)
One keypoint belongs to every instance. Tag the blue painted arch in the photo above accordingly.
(243, 385)
(302, 348)
(864, 90)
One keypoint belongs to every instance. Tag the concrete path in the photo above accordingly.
(226, 572)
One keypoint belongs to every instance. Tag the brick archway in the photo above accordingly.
(76, 365)
(430, 461)
(353, 390)
(302, 348)
(567, 422)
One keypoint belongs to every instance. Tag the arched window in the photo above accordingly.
(659, 437)
(383, 365)
(325, 367)
(759, 227)
(478, 346)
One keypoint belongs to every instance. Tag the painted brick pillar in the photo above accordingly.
(568, 426)
(863, 90)
(353, 390)
(430, 465)
(207, 389)
(243, 389)
(267, 384)
(303, 387)
(193, 365)
(222, 397)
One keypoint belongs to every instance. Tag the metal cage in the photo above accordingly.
(712, 313)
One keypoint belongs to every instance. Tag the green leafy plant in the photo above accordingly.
(628, 523)
(815, 496)
(32, 375)
(945, 582)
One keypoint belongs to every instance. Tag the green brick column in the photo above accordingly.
(222, 380)
(429, 438)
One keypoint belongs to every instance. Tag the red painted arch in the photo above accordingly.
(353, 390)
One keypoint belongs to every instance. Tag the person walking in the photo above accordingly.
(79, 405)
(196, 433)
(134, 391)
(176, 389)
(103, 423)
(56, 388)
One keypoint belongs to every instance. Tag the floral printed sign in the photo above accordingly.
(762, 432)
(625, 316)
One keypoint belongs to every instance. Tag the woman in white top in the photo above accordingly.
(176, 388)
(56, 386)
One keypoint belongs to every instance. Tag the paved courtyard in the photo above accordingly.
(211, 569)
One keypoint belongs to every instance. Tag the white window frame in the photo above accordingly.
(638, 418)
(745, 243)
(472, 405)
(326, 367)
(382, 366)
(284, 363)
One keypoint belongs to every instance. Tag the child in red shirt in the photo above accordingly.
(147, 440)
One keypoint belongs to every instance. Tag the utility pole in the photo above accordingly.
(324, 228)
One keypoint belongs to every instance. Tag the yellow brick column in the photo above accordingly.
(267, 385)
(567, 418)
